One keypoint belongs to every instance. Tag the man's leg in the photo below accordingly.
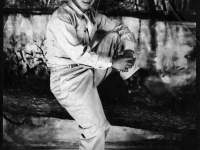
(111, 46)
(75, 91)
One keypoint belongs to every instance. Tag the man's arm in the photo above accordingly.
(125, 61)
(65, 37)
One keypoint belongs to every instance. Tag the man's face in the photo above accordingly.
(84, 5)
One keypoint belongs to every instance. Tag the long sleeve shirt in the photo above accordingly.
(70, 32)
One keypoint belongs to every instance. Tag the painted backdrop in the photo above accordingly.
(166, 49)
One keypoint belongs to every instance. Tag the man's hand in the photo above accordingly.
(124, 62)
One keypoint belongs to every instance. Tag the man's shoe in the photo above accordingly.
(136, 86)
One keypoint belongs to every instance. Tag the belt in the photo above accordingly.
(53, 69)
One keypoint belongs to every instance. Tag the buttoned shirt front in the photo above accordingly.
(70, 32)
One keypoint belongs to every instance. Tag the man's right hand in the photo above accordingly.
(123, 62)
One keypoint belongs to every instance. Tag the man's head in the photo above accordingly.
(84, 5)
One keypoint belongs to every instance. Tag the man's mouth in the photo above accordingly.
(88, 3)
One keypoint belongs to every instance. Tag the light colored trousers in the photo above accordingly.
(76, 90)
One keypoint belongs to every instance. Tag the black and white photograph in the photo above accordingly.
(100, 75)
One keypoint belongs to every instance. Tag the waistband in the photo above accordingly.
(57, 68)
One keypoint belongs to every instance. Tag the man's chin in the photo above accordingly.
(85, 9)
(86, 6)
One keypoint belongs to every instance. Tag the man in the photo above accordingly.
(78, 66)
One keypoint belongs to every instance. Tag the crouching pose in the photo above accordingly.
(78, 66)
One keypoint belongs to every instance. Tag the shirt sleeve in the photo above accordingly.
(111, 25)
(65, 37)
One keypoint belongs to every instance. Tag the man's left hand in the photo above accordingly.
(129, 53)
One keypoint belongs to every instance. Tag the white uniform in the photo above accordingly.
(69, 37)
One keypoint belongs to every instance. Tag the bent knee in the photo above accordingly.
(113, 35)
